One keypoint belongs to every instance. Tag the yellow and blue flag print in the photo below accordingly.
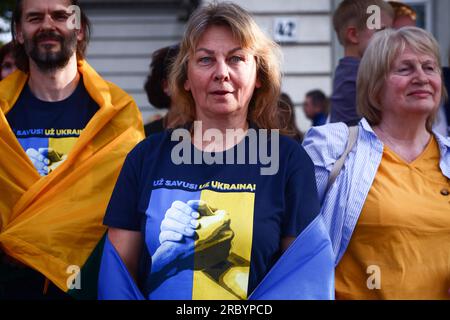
(216, 263)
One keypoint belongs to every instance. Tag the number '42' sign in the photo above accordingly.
(285, 29)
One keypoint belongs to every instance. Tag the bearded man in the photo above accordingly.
(64, 134)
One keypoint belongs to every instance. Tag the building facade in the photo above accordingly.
(125, 33)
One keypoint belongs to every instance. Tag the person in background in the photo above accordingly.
(157, 86)
(350, 24)
(405, 15)
(7, 60)
(388, 209)
(316, 107)
(287, 117)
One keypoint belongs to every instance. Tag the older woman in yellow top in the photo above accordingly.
(388, 211)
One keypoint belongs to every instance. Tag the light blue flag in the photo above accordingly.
(304, 271)
(114, 280)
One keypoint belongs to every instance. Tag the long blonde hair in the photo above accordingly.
(263, 107)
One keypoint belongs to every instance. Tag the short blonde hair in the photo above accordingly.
(354, 13)
(263, 110)
(377, 62)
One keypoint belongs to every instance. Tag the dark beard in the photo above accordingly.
(47, 60)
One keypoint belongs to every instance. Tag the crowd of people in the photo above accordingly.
(224, 196)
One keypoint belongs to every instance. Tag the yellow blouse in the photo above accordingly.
(400, 248)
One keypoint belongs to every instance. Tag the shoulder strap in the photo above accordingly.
(352, 137)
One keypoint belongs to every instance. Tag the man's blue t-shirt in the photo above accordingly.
(319, 119)
(47, 131)
(244, 216)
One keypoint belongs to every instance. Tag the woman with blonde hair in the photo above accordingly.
(388, 211)
(207, 216)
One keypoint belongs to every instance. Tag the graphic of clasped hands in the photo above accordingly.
(45, 160)
(187, 228)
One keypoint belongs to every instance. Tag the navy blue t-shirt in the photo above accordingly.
(47, 131)
(244, 215)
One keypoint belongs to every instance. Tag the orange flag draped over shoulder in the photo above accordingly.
(53, 222)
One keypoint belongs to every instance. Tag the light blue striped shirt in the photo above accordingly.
(343, 203)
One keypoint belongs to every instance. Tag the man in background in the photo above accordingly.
(316, 107)
(350, 24)
(7, 60)
(405, 16)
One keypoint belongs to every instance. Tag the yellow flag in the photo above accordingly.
(53, 223)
